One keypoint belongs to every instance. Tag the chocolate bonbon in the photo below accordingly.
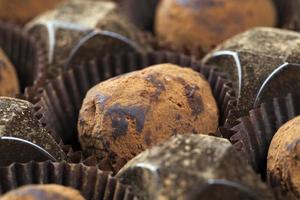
(125, 115)
(283, 159)
(262, 62)
(206, 23)
(193, 167)
(85, 28)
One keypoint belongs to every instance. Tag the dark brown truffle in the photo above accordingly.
(17, 120)
(262, 62)
(23, 11)
(43, 192)
(9, 83)
(206, 23)
(83, 27)
(284, 159)
(193, 167)
(125, 115)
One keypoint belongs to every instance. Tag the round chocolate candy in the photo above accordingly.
(127, 114)
(284, 159)
(43, 192)
(206, 23)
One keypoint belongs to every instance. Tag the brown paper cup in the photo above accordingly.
(26, 54)
(252, 134)
(58, 102)
(91, 182)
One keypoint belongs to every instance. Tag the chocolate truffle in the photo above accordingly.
(9, 84)
(283, 159)
(262, 62)
(23, 11)
(188, 167)
(288, 14)
(17, 120)
(43, 192)
(206, 23)
(123, 116)
(91, 25)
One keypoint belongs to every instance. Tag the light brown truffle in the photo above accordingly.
(284, 159)
(125, 115)
(23, 11)
(9, 84)
(43, 192)
(205, 23)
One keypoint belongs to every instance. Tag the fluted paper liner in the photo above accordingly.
(91, 182)
(25, 52)
(59, 101)
(252, 134)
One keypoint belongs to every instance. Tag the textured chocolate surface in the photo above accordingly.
(263, 63)
(284, 159)
(59, 102)
(74, 23)
(125, 115)
(43, 192)
(206, 23)
(17, 120)
(189, 167)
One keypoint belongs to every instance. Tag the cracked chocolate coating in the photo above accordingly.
(125, 115)
(17, 120)
(261, 52)
(9, 83)
(43, 192)
(182, 168)
(284, 159)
